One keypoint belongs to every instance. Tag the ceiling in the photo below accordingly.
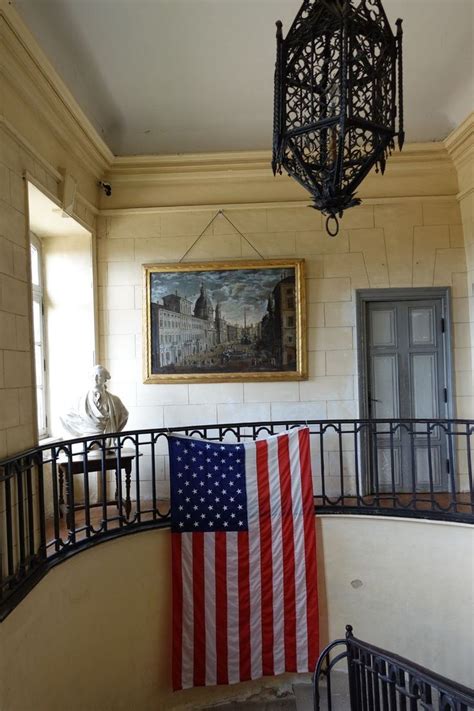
(189, 76)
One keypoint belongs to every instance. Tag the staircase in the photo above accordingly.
(299, 697)
(339, 694)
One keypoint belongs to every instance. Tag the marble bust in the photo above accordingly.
(98, 411)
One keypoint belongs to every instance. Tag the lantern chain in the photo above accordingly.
(401, 126)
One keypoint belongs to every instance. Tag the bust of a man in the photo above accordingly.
(98, 411)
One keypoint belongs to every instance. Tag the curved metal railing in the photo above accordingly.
(60, 498)
(378, 679)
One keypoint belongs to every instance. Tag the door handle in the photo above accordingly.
(373, 399)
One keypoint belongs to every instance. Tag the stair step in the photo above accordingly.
(300, 700)
(339, 694)
(287, 704)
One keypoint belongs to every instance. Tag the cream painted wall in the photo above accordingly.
(40, 136)
(17, 401)
(17, 419)
(392, 243)
(417, 592)
(94, 635)
(460, 145)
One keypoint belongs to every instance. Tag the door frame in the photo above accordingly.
(366, 296)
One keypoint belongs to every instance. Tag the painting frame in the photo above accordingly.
(261, 373)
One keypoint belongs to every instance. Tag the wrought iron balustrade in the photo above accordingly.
(58, 499)
(380, 680)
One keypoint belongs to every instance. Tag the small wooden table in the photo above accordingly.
(96, 462)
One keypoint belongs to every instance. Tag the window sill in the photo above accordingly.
(49, 440)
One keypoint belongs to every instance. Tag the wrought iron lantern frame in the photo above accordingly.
(338, 75)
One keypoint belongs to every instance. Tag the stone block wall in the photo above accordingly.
(384, 244)
(17, 417)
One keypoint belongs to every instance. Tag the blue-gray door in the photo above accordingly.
(407, 378)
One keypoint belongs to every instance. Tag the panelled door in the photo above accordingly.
(406, 377)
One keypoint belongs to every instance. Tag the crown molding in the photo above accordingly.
(31, 75)
(245, 178)
(190, 161)
(291, 204)
(460, 146)
(21, 140)
(461, 139)
(242, 164)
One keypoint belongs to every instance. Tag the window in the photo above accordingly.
(62, 283)
(290, 322)
(38, 335)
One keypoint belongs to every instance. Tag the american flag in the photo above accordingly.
(243, 559)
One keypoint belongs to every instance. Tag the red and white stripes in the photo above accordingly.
(245, 602)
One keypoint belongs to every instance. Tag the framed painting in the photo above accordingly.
(224, 321)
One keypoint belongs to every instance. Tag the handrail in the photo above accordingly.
(59, 498)
(379, 679)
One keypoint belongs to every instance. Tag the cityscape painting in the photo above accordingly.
(232, 321)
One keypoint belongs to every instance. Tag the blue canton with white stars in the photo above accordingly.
(207, 486)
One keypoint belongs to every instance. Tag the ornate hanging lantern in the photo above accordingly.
(335, 104)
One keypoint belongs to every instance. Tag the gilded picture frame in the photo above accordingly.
(235, 321)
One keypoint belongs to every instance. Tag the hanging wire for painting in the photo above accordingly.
(220, 212)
